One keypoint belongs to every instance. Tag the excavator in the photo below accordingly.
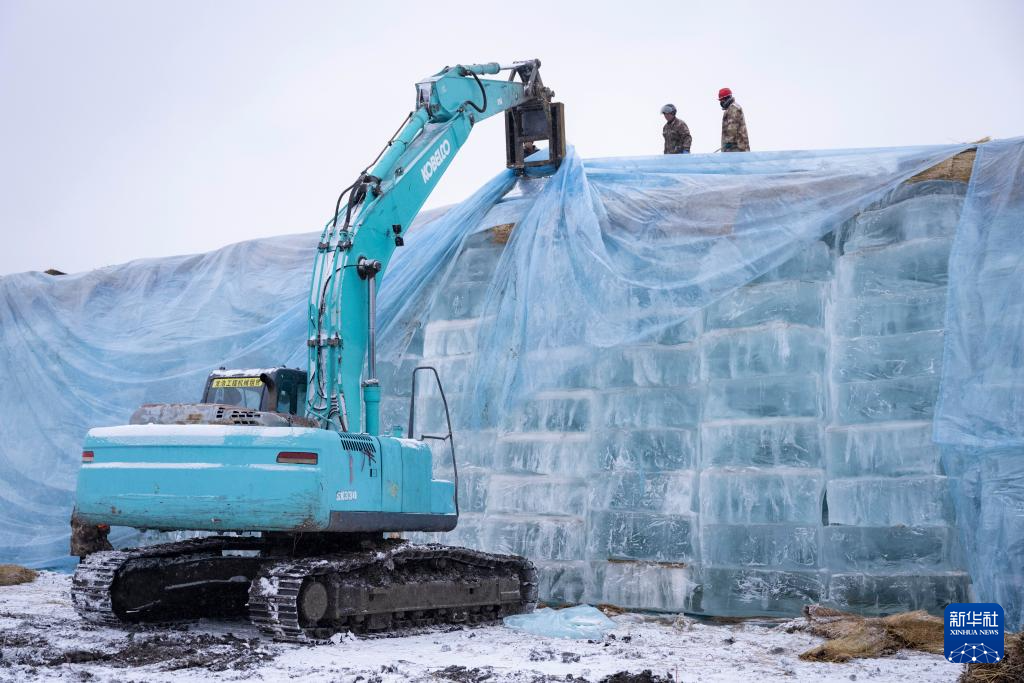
(298, 497)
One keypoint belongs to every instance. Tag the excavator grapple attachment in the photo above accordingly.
(537, 119)
(532, 123)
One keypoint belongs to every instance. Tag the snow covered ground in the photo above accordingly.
(41, 638)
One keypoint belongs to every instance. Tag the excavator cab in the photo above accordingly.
(272, 397)
(274, 390)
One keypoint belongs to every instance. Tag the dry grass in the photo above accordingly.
(1009, 670)
(956, 167)
(851, 636)
(500, 234)
(611, 610)
(12, 574)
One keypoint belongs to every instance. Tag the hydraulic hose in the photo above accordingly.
(482, 92)
(337, 205)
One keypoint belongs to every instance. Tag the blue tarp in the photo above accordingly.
(982, 398)
(979, 418)
(606, 254)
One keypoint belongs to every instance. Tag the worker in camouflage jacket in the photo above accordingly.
(676, 132)
(734, 127)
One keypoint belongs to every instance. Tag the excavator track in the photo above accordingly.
(388, 591)
(160, 582)
(385, 588)
(90, 587)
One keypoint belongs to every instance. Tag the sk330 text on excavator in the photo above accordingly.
(290, 469)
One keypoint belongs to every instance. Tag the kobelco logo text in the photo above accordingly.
(435, 160)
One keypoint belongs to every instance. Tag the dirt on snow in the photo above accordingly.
(41, 638)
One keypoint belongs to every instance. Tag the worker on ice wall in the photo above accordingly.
(734, 126)
(676, 132)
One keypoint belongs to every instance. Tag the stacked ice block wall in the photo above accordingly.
(772, 450)
(764, 349)
(891, 542)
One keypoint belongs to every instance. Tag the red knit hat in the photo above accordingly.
(723, 93)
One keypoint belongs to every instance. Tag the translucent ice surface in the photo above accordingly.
(772, 449)
(582, 622)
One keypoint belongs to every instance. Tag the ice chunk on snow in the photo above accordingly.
(582, 622)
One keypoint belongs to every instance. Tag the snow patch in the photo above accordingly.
(41, 633)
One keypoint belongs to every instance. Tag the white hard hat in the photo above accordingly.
(668, 109)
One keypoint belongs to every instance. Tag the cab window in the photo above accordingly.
(286, 399)
(291, 397)
(245, 392)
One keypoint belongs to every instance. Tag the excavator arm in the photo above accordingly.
(357, 243)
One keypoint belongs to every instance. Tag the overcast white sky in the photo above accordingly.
(135, 129)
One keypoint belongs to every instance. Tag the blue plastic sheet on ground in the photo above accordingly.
(607, 255)
(581, 622)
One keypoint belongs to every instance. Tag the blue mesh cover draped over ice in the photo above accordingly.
(980, 414)
(85, 350)
(702, 382)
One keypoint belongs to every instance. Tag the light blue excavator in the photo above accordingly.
(289, 469)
